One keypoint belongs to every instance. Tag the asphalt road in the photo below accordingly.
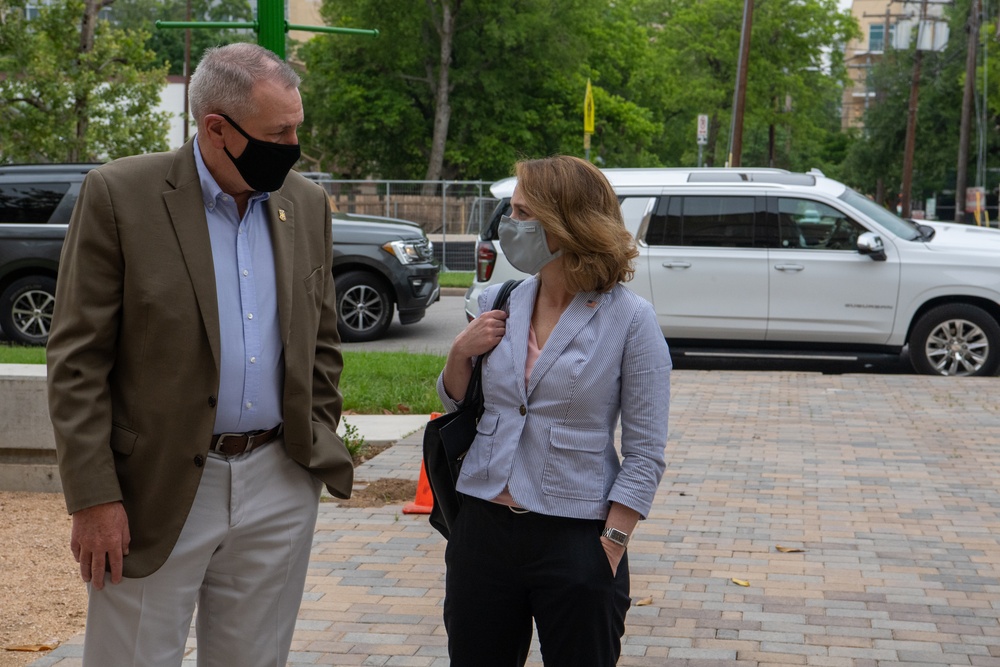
(446, 318)
(431, 335)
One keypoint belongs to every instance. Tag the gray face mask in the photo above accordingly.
(525, 245)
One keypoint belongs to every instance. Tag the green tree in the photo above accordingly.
(793, 81)
(77, 88)
(516, 78)
(169, 43)
(874, 163)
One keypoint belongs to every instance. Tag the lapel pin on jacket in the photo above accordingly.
(281, 215)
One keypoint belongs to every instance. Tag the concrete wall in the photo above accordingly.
(27, 446)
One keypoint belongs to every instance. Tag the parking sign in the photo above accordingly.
(702, 129)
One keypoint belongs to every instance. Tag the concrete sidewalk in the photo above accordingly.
(887, 486)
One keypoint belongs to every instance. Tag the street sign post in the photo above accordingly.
(588, 120)
(702, 134)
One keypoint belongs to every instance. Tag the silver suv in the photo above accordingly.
(772, 264)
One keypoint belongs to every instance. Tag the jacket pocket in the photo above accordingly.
(314, 279)
(123, 440)
(574, 463)
(477, 461)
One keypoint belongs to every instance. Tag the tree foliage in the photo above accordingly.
(69, 97)
(875, 162)
(519, 68)
(168, 44)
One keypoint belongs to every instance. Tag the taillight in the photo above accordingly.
(486, 257)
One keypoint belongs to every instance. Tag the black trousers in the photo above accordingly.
(503, 569)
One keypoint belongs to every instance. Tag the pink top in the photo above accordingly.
(533, 353)
(504, 497)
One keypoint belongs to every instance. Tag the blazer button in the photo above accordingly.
(211, 401)
(523, 410)
(199, 461)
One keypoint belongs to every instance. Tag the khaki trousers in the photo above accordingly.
(241, 559)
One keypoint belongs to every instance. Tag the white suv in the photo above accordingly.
(765, 262)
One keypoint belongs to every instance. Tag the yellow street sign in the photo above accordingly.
(588, 110)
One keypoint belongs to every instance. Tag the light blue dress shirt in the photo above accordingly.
(251, 370)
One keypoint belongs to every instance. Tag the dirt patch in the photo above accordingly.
(381, 492)
(42, 599)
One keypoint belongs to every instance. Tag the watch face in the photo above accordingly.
(616, 536)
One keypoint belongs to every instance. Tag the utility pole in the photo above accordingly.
(739, 95)
(961, 181)
(911, 123)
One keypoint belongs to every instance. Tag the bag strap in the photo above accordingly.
(475, 388)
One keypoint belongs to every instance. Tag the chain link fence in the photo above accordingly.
(450, 212)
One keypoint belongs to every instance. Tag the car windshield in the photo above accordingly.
(904, 229)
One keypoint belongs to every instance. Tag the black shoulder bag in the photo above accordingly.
(448, 438)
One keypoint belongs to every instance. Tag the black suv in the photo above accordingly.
(379, 265)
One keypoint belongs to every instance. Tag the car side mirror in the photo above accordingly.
(871, 244)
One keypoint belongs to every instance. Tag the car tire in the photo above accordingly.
(956, 340)
(26, 309)
(364, 307)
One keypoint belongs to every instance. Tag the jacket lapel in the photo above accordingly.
(281, 220)
(577, 315)
(186, 208)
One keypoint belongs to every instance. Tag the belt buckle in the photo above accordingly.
(222, 439)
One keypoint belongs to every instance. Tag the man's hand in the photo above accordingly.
(100, 536)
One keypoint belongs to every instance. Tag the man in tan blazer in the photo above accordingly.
(193, 369)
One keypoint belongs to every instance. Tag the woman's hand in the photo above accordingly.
(479, 337)
(614, 552)
(621, 518)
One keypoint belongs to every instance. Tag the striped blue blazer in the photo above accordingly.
(553, 442)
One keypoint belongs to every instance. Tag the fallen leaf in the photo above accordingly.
(348, 412)
(33, 648)
(403, 409)
(386, 411)
(789, 550)
(740, 582)
(644, 602)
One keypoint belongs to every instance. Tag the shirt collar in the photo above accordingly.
(210, 190)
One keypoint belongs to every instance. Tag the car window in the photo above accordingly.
(804, 223)
(902, 228)
(491, 229)
(704, 221)
(29, 202)
(636, 211)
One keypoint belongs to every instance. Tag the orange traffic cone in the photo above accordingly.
(424, 502)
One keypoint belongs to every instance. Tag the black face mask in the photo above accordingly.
(263, 164)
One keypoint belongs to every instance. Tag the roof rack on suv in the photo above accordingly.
(777, 177)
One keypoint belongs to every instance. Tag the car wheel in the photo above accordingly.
(957, 339)
(26, 309)
(364, 307)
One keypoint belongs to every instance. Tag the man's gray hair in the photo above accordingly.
(224, 79)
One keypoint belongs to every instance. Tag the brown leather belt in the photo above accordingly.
(232, 444)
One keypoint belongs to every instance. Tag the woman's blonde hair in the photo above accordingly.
(578, 208)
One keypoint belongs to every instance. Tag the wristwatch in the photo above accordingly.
(616, 536)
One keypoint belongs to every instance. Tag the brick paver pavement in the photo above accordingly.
(889, 486)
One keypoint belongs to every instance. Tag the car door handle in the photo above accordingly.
(789, 267)
(676, 265)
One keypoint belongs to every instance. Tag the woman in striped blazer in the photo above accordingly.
(550, 497)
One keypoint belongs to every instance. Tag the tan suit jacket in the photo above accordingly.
(133, 355)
